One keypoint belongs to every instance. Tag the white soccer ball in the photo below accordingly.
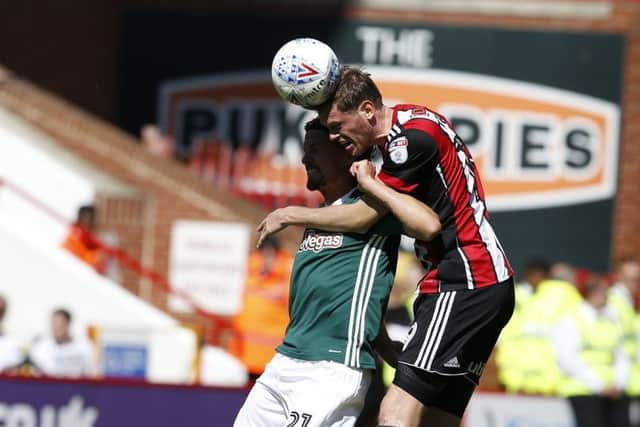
(305, 71)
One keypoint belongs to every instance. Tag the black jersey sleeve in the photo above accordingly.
(407, 159)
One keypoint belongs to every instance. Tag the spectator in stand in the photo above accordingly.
(60, 354)
(260, 325)
(156, 142)
(11, 357)
(622, 298)
(564, 272)
(510, 346)
(536, 271)
(82, 242)
(534, 360)
(589, 347)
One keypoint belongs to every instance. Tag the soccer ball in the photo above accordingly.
(305, 71)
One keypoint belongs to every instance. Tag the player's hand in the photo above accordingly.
(365, 173)
(272, 223)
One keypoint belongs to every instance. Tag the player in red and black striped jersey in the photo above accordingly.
(424, 157)
(466, 297)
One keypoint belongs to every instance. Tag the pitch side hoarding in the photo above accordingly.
(29, 402)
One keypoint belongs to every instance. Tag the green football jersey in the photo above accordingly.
(340, 284)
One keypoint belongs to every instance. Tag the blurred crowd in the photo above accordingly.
(265, 178)
(54, 353)
(576, 336)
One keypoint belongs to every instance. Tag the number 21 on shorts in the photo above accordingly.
(295, 417)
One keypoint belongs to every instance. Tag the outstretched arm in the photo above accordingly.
(418, 220)
(356, 217)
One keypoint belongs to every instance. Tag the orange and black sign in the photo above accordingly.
(540, 112)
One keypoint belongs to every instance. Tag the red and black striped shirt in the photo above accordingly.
(424, 157)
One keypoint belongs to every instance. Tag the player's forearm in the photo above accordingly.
(345, 218)
(356, 217)
(418, 220)
(385, 348)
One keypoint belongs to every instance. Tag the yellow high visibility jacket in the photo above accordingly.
(599, 337)
(621, 302)
(528, 364)
(633, 388)
(508, 346)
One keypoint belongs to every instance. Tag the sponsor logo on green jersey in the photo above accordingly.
(317, 240)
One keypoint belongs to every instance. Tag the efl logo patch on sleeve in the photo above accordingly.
(398, 150)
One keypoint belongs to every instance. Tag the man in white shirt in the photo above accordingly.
(589, 348)
(10, 355)
(60, 355)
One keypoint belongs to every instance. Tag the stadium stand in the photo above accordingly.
(152, 191)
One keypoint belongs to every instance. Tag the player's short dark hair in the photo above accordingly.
(314, 124)
(355, 87)
(64, 313)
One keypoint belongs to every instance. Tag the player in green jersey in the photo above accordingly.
(340, 285)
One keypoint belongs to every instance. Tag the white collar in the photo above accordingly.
(339, 200)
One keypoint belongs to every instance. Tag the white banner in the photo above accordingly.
(504, 410)
(208, 263)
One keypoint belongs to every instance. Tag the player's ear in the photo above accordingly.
(367, 109)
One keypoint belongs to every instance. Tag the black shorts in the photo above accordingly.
(452, 337)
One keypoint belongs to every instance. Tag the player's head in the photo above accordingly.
(324, 162)
(350, 115)
(60, 323)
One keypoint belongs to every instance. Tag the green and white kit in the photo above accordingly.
(340, 285)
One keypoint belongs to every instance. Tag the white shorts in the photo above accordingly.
(300, 393)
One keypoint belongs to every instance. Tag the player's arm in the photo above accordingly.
(418, 220)
(355, 217)
(385, 347)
